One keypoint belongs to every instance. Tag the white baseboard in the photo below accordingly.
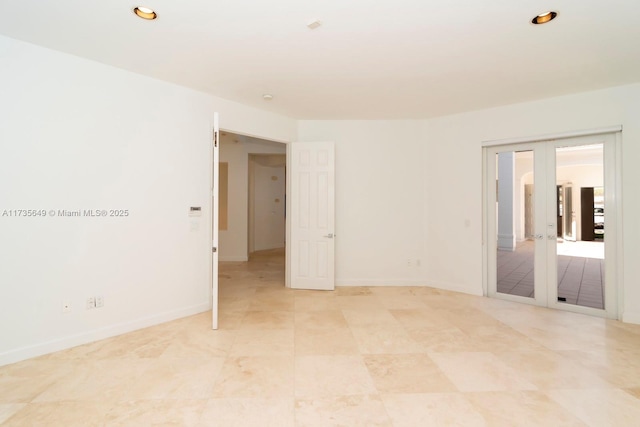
(233, 258)
(64, 343)
(455, 287)
(380, 282)
(631, 317)
(410, 282)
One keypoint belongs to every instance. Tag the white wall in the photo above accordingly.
(233, 242)
(454, 233)
(386, 197)
(379, 199)
(76, 134)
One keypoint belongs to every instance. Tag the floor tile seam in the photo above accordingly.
(580, 414)
(368, 395)
(460, 394)
(199, 413)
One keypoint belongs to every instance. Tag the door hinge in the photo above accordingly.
(215, 139)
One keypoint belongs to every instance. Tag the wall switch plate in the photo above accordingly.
(99, 301)
(91, 303)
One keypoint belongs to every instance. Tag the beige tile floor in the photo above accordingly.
(358, 356)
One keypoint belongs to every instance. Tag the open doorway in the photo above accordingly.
(255, 193)
(251, 245)
(267, 195)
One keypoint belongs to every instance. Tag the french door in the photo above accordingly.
(548, 242)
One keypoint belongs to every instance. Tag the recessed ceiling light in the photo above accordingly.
(543, 18)
(267, 97)
(145, 13)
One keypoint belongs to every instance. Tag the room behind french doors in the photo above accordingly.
(548, 242)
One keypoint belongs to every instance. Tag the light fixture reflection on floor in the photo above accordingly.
(543, 18)
(145, 13)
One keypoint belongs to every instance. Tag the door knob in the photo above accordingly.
(539, 236)
(330, 235)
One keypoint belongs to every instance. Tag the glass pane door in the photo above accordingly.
(580, 253)
(515, 245)
(515, 205)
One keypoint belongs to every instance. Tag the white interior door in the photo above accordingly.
(215, 170)
(311, 243)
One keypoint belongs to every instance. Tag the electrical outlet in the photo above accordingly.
(66, 306)
(91, 303)
(99, 301)
(409, 263)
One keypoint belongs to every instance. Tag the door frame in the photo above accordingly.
(214, 159)
(614, 252)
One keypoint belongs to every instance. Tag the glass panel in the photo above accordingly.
(515, 223)
(580, 212)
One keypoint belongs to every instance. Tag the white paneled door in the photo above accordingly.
(215, 167)
(312, 205)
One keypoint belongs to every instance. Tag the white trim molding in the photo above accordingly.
(553, 136)
(631, 318)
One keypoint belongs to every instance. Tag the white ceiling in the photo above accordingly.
(370, 59)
